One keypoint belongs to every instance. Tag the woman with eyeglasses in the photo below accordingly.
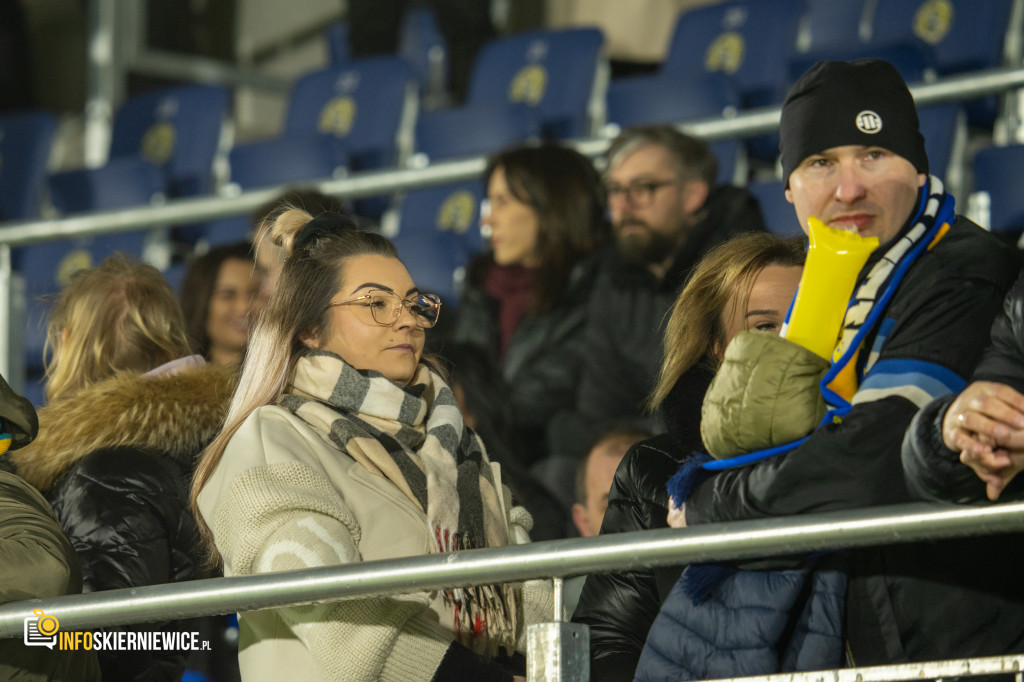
(525, 299)
(342, 445)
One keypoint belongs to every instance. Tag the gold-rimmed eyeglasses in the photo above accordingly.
(639, 194)
(384, 307)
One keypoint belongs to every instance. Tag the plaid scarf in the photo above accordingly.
(414, 436)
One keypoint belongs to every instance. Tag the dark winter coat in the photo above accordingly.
(620, 607)
(625, 325)
(905, 602)
(115, 460)
(542, 363)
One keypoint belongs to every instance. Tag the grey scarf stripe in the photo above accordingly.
(416, 434)
(342, 431)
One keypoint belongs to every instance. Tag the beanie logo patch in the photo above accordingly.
(869, 122)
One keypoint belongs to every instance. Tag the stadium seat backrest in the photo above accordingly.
(122, 182)
(178, 129)
(438, 234)
(473, 129)
(944, 127)
(287, 159)
(422, 45)
(339, 50)
(998, 172)
(835, 24)
(749, 41)
(370, 104)
(677, 97)
(779, 215)
(965, 35)
(559, 73)
(25, 142)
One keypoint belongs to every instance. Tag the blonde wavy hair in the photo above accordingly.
(120, 316)
(299, 307)
(695, 331)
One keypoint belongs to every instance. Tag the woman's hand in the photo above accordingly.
(676, 515)
(986, 423)
(984, 415)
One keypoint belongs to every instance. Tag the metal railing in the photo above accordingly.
(559, 558)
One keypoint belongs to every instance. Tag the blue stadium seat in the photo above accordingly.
(998, 174)
(750, 41)
(944, 127)
(779, 215)
(175, 130)
(339, 50)
(558, 73)
(366, 104)
(438, 234)
(422, 45)
(964, 35)
(835, 24)
(178, 129)
(126, 181)
(677, 97)
(480, 129)
(25, 142)
(287, 159)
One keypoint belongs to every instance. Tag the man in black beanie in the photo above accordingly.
(852, 156)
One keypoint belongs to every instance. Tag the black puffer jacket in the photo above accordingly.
(924, 601)
(933, 471)
(620, 607)
(115, 460)
(625, 325)
(542, 363)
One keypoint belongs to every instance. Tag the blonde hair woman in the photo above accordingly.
(341, 446)
(744, 283)
(128, 413)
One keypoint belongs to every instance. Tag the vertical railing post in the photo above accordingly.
(558, 651)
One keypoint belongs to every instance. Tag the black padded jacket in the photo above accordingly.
(620, 607)
(115, 460)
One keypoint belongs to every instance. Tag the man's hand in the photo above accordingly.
(986, 423)
(676, 515)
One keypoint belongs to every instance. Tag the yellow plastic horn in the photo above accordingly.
(834, 260)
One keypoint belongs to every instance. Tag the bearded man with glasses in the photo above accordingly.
(666, 212)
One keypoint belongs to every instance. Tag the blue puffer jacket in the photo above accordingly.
(722, 622)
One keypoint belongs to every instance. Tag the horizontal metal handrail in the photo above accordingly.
(712, 542)
(369, 183)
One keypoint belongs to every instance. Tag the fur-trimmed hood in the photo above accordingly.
(174, 414)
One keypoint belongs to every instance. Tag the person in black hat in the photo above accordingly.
(915, 327)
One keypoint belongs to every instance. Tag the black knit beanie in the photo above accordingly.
(864, 102)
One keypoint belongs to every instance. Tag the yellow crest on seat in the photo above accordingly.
(528, 85)
(337, 116)
(725, 53)
(456, 212)
(933, 20)
(158, 143)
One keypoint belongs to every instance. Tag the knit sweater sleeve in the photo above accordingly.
(287, 516)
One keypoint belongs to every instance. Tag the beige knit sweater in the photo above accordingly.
(283, 498)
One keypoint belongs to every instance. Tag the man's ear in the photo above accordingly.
(789, 195)
(579, 519)
(695, 194)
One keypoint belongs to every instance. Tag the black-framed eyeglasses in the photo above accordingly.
(639, 194)
(384, 307)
